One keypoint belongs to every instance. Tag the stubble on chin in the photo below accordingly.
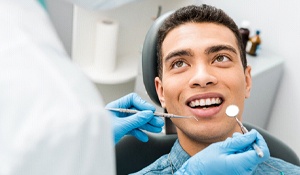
(207, 136)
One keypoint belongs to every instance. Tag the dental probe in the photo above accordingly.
(232, 111)
(161, 114)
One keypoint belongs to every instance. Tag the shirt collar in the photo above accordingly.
(178, 156)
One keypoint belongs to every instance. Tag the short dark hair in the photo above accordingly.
(197, 14)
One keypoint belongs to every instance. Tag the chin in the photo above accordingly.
(202, 136)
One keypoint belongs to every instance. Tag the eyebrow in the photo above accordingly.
(212, 49)
(217, 48)
(177, 53)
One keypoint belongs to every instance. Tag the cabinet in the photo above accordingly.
(267, 70)
(83, 53)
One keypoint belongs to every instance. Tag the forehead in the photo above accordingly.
(198, 36)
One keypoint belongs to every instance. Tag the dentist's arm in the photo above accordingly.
(133, 124)
(234, 156)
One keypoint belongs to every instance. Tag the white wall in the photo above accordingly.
(279, 22)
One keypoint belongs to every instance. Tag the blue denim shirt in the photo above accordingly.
(178, 156)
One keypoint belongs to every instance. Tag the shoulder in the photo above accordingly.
(160, 167)
(168, 163)
(275, 165)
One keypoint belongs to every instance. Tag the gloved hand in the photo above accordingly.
(133, 124)
(233, 156)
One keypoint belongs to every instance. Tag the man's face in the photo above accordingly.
(202, 75)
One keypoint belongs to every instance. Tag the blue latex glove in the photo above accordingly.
(233, 156)
(133, 124)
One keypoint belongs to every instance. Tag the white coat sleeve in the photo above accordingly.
(52, 120)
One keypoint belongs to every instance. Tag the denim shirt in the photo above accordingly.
(170, 163)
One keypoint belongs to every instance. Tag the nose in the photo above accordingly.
(202, 76)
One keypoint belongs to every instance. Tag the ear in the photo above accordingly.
(248, 80)
(159, 91)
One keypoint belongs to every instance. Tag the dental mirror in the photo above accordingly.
(232, 110)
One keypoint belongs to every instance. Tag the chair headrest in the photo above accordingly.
(149, 58)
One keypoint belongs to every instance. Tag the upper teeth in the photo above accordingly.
(205, 102)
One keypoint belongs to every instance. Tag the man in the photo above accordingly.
(202, 70)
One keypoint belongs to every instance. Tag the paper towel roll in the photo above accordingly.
(106, 46)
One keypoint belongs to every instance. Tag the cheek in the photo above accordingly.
(234, 81)
(238, 87)
(172, 90)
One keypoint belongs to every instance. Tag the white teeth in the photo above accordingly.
(205, 102)
(202, 102)
(213, 101)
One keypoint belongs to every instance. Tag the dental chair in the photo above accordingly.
(133, 155)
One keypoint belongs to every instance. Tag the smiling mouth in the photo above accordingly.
(205, 103)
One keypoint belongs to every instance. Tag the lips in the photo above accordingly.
(205, 100)
(205, 105)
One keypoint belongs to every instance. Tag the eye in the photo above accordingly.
(221, 58)
(178, 64)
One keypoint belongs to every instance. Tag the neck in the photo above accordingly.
(193, 146)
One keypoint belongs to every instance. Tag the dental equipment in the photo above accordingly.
(232, 111)
(161, 114)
